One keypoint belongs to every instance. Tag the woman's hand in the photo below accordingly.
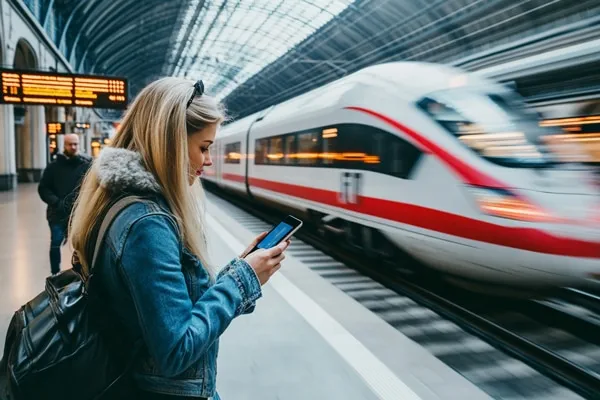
(266, 262)
(254, 243)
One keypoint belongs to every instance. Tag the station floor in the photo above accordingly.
(306, 339)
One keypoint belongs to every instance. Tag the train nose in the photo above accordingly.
(568, 195)
(566, 207)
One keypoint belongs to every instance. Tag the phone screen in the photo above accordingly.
(275, 236)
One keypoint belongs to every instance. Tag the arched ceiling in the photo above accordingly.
(255, 53)
(224, 42)
(376, 31)
(130, 38)
(230, 41)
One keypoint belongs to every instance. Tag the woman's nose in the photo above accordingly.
(208, 160)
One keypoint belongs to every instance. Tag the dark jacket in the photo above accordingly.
(60, 184)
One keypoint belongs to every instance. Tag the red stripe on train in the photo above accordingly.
(234, 177)
(466, 172)
(439, 221)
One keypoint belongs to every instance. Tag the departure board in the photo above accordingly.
(55, 128)
(62, 90)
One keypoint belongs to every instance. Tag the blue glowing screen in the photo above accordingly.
(275, 236)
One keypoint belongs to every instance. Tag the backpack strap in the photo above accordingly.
(115, 209)
(138, 344)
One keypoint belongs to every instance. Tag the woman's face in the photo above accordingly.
(198, 148)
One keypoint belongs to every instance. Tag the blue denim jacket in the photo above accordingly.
(161, 292)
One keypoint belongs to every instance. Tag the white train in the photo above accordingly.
(445, 165)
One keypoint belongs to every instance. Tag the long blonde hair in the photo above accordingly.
(156, 126)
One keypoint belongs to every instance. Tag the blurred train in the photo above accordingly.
(446, 166)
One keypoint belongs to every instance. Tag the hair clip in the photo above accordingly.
(198, 90)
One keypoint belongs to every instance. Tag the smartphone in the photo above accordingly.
(280, 233)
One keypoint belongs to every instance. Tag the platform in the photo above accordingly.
(306, 339)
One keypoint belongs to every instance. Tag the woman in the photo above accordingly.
(152, 264)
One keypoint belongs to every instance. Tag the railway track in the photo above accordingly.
(517, 349)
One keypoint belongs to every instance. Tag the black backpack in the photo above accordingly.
(64, 345)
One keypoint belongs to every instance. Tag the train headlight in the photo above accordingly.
(504, 204)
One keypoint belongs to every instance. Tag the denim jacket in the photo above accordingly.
(160, 291)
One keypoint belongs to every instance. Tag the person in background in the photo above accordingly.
(59, 188)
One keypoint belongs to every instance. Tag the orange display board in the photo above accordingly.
(55, 128)
(57, 89)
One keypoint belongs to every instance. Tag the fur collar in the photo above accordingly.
(122, 170)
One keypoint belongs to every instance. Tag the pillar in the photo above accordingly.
(8, 167)
(61, 116)
(88, 142)
(23, 146)
(39, 143)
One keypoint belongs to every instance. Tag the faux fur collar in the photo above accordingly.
(120, 170)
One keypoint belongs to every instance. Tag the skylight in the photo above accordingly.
(230, 41)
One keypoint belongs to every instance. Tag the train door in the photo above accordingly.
(244, 156)
(349, 151)
(260, 116)
(350, 187)
(348, 148)
(374, 168)
(371, 163)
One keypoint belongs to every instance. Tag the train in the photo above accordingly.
(427, 160)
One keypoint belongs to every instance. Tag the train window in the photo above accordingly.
(260, 151)
(400, 157)
(308, 148)
(493, 126)
(289, 149)
(348, 146)
(276, 150)
(359, 147)
(377, 151)
(372, 149)
(330, 138)
(232, 153)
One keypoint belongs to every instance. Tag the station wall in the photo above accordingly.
(24, 145)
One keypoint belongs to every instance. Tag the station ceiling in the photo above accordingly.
(255, 53)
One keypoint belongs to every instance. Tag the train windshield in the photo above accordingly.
(497, 126)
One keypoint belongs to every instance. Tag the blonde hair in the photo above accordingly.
(156, 126)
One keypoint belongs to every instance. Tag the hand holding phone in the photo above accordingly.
(280, 233)
(266, 252)
(266, 262)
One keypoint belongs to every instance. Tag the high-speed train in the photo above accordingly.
(447, 166)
